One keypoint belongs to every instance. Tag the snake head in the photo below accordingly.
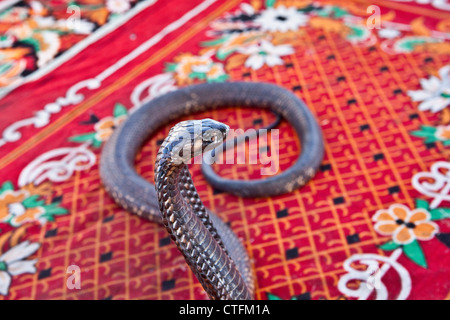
(194, 137)
(214, 134)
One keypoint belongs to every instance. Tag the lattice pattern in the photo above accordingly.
(298, 241)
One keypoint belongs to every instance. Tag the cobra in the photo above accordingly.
(211, 249)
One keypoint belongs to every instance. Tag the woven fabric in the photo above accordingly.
(372, 224)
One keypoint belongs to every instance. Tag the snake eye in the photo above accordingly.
(213, 138)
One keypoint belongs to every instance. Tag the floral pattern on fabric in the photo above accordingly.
(103, 127)
(33, 33)
(254, 37)
(257, 36)
(14, 262)
(432, 134)
(188, 68)
(28, 204)
(435, 93)
(407, 227)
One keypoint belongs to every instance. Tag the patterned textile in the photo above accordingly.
(372, 224)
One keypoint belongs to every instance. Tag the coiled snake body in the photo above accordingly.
(214, 253)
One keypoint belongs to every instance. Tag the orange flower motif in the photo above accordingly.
(215, 71)
(238, 41)
(405, 225)
(330, 25)
(106, 126)
(188, 67)
(187, 63)
(443, 132)
(11, 206)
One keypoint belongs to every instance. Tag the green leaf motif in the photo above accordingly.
(120, 110)
(222, 55)
(55, 210)
(422, 204)
(270, 3)
(271, 296)
(5, 67)
(429, 133)
(389, 246)
(6, 186)
(440, 213)
(83, 137)
(422, 134)
(171, 67)
(339, 12)
(214, 42)
(429, 129)
(197, 75)
(358, 32)
(48, 217)
(414, 252)
(52, 210)
(409, 43)
(33, 42)
(32, 202)
(96, 143)
(220, 78)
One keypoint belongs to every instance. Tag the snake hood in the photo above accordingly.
(193, 138)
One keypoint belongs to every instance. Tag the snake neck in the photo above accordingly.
(187, 221)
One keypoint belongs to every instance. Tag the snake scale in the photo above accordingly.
(211, 249)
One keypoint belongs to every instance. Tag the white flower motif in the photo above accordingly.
(281, 19)
(12, 263)
(37, 7)
(45, 22)
(388, 33)
(265, 53)
(51, 44)
(435, 93)
(83, 26)
(118, 6)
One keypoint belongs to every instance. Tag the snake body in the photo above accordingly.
(211, 249)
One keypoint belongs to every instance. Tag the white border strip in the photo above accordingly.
(7, 3)
(73, 96)
(154, 40)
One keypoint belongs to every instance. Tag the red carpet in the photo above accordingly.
(372, 224)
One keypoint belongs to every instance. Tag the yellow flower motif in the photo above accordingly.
(405, 225)
(106, 126)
